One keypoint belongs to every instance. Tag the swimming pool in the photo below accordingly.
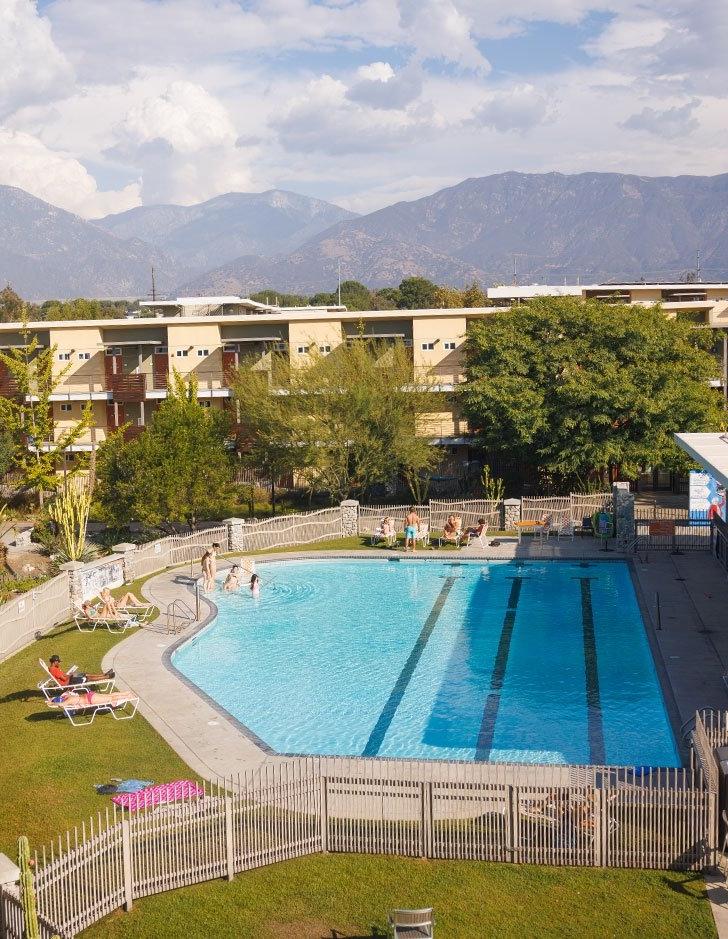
(533, 662)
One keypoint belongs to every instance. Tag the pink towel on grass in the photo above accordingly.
(158, 795)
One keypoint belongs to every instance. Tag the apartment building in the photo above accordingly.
(123, 366)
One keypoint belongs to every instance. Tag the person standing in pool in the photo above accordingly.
(412, 520)
(232, 581)
(209, 566)
(255, 585)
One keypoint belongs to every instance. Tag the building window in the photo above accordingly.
(448, 346)
(205, 404)
(70, 457)
(279, 346)
(324, 350)
(428, 346)
(160, 350)
(64, 356)
(302, 350)
(114, 350)
(203, 353)
(84, 356)
(181, 353)
(66, 408)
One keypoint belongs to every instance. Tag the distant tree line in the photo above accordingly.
(413, 293)
(12, 306)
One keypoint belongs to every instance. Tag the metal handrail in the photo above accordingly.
(179, 615)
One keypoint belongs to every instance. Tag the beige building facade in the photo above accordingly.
(123, 366)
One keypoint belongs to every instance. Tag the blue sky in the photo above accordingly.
(108, 105)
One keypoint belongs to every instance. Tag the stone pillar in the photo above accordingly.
(75, 590)
(510, 514)
(624, 524)
(236, 533)
(126, 549)
(349, 518)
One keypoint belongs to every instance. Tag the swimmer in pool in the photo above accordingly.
(255, 585)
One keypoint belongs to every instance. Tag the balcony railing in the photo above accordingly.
(127, 388)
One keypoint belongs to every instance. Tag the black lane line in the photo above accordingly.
(492, 703)
(595, 726)
(376, 738)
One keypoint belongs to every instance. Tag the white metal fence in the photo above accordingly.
(371, 515)
(186, 548)
(469, 510)
(38, 610)
(286, 530)
(587, 816)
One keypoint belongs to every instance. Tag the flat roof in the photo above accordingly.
(537, 290)
(710, 450)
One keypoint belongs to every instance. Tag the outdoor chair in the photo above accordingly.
(87, 624)
(142, 614)
(123, 709)
(564, 529)
(412, 924)
(586, 527)
(51, 688)
(478, 540)
(423, 535)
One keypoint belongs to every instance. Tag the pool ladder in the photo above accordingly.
(179, 616)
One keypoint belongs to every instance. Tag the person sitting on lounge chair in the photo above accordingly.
(113, 606)
(86, 699)
(74, 678)
(471, 533)
(452, 529)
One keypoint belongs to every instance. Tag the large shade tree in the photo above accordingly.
(585, 390)
(345, 422)
(176, 473)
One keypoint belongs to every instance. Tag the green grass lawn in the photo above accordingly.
(47, 775)
(342, 895)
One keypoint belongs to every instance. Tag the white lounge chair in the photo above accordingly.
(423, 534)
(478, 540)
(51, 688)
(565, 529)
(122, 709)
(378, 535)
(412, 924)
(142, 614)
(87, 624)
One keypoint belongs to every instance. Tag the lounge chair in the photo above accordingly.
(123, 708)
(142, 614)
(479, 540)
(87, 624)
(378, 535)
(412, 924)
(423, 534)
(565, 529)
(51, 688)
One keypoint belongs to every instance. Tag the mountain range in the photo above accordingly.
(553, 227)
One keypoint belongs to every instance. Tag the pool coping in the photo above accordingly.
(267, 752)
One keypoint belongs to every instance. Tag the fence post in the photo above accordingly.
(324, 814)
(600, 827)
(229, 838)
(511, 824)
(126, 549)
(623, 502)
(511, 509)
(349, 518)
(426, 822)
(126, 863)
(235, 533)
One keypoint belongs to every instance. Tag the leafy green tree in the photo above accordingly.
(354, 295)
(449, 298)
(346, 422)
(176, 473)
(11, 305)
(83, 309)
(386, 298)
(26, 416)
(474, 296)
(270, 295)
(417, 293)
(586, 389)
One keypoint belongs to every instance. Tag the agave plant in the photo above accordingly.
(69, 510)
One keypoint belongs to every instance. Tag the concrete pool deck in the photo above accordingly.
(690, 649)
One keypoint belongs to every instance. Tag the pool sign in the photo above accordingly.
(707, 497)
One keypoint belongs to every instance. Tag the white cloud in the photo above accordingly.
(379, 86)
(57, 177)
(668, 123)
(519, 108)
(184, 142)
(376, 72)
(438, 29)
(31, 65)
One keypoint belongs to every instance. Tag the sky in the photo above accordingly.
(110, 104)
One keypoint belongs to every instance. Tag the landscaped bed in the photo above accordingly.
(47, 777)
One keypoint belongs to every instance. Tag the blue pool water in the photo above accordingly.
(532, 662)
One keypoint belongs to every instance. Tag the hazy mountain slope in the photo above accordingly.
(593, 226)
(46, 252)
(204, 236)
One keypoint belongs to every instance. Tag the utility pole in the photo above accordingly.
(154, 287)
(697, 266)
(339, 289)
(515, 270)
